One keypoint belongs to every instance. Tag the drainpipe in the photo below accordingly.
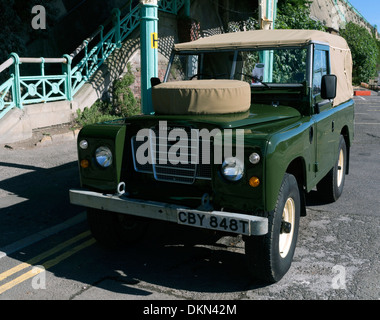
(149, 55)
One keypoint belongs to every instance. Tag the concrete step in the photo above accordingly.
(46, 136)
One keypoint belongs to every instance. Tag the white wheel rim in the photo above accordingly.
(340, 168)
(288, 215)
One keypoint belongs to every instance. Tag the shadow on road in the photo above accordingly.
(178, 260)
(35, 200)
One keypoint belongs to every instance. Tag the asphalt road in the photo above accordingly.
(337, 256)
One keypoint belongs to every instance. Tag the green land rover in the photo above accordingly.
(244, 126)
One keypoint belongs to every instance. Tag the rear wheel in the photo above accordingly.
(330, 188)
(113, 229)
(270, 256)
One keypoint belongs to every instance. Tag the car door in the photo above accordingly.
(322, 114)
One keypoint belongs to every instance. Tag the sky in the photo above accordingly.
(370, 10)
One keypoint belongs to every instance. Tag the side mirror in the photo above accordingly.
(154, 81)
(328, 86)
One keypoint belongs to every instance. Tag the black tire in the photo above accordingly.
(268, 259)
(330, 188)
(113, 229)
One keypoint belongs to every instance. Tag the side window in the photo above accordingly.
(319, 70)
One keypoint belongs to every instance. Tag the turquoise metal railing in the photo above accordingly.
(77, 68)
(7, 90)
(19, 90)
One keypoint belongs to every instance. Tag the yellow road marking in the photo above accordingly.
(42, 256)
(48, 264)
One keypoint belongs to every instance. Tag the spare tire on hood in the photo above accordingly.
(201, 97)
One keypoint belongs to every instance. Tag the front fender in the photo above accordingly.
(283, 148)
(94, 176)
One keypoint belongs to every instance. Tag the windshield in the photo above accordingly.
(278, 66)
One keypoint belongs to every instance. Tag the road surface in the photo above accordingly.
(47, 252)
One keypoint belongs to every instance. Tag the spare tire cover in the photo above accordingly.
(201, 97)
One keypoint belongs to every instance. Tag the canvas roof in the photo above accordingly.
(340, 54)
(262, 38)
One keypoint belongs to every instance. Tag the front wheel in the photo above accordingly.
(270, 256)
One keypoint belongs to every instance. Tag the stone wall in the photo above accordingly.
(336, 13)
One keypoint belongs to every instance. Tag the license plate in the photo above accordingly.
(221, 221)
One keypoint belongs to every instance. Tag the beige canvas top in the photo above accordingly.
(341, 60)
(262, 38)
(201, 97)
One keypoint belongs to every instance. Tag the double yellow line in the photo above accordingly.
(48, 264)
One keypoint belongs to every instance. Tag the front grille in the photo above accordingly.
(177, 161)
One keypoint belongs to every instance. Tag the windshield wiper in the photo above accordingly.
(261, 82)
(256, 79)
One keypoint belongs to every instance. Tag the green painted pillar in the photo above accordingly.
(149, 54)
(268, 13)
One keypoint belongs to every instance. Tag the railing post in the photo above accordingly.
(116, 24)
(43, 76)
(149, 55)
(85, 42)
(187, 8)
(67, 72)
(101, 28)
(16, 92)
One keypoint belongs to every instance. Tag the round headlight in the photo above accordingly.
(103, 156)
(83, 144)
(254, 158)
(232, 169)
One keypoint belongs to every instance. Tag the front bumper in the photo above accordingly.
(213, 220)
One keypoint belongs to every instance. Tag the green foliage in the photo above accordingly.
(289, 66)
(378, 54)
(364, 50)
(124, 104)
(295, 14)
(100, 111)
(291, 14)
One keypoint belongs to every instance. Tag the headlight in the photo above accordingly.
(103, 156)
(233, 169)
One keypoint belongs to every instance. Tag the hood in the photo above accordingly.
(257, 114)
